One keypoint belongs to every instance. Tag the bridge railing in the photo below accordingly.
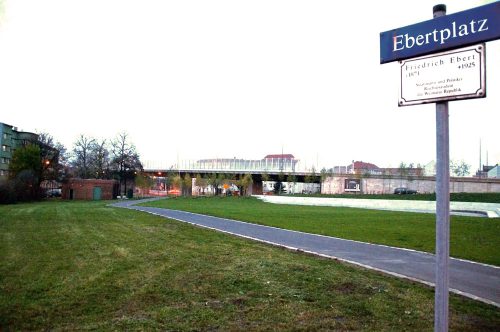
(235, 165)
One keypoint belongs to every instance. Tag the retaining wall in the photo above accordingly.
(386, 185)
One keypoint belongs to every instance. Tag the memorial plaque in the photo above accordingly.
(451, 75)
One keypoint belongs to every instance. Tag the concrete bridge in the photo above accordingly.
(257, 175)
(271, 167)
(274, 169)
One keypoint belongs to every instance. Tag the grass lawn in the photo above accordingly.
(84, 265)
(476, 239)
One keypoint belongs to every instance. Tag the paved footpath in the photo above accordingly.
(474, 280)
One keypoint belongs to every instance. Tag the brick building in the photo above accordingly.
(90, 189)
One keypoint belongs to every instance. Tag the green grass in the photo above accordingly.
(471, 238)
(454, 197)
(83, 265)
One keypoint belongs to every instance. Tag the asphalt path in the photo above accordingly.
(471, 279)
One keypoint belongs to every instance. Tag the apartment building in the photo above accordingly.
(10, 140)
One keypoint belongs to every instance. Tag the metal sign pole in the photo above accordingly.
(442, 208)
(442, 218)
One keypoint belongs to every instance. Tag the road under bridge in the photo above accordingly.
(257, 176)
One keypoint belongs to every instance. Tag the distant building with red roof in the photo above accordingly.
(361, 167)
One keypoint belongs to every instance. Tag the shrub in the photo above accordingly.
(7, 192)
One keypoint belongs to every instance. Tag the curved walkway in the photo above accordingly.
(474, 280)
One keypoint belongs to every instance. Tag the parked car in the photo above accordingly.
(53, 193)
(404, 191)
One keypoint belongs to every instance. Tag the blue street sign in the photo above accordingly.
(476, 25)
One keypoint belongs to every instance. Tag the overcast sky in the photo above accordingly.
(206, 79)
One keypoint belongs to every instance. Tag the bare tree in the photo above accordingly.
(100, 159)
(403, 169)
(82, 152)
(125, 159)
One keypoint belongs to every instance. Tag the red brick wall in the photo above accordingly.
(83, 189)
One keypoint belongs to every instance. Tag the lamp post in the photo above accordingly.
(158, 185)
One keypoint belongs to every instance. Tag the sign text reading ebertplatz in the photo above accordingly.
(461, 29)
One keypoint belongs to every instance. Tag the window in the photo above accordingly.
(4, 148)
(4, 135)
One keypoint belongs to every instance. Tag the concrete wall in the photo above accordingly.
(386, 185)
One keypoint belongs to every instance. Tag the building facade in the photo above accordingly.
(270, 163)
(90, 189)
(10, 140)
(494, 172)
